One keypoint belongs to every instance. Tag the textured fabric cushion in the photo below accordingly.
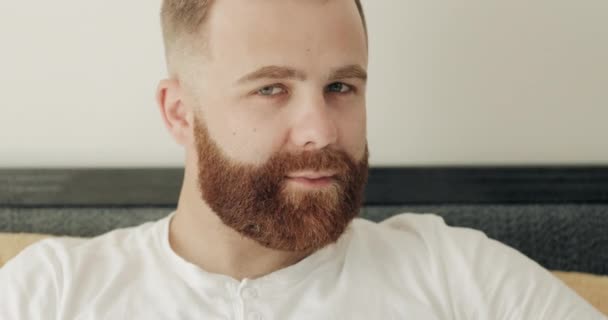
(591, 287)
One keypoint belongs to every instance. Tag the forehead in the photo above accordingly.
(306, 34)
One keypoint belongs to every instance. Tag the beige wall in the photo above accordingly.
(461, 82)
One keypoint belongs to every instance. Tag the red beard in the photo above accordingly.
(256, 202)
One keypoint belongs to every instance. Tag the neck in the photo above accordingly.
(199, 236)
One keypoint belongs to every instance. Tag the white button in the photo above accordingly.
(255, 316)
(249, 293)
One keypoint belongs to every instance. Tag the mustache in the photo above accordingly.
(327, 159)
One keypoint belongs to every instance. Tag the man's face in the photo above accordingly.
(279, 99)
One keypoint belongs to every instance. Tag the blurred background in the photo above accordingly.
(470, 82)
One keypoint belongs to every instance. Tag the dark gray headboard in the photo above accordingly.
(558, 216)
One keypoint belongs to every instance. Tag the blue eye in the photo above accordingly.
(270, 91)
(339, 87)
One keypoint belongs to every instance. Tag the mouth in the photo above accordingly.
(312, 179)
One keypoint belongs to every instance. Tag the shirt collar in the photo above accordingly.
(276, 281)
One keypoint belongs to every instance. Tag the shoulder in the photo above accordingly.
(406, 240)
(122, 241)
(426, 228)
(56, 257)
(424, 238)
(445, 248)
(497, 280)
(52, 265)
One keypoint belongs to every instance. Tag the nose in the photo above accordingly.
(314, 126)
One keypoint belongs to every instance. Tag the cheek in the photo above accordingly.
(352, 124)
(226, 129)
(247, 138)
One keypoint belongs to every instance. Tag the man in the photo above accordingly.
(268, 99)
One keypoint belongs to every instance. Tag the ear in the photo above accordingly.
(173, 111)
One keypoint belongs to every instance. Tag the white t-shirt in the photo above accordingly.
(408, 267)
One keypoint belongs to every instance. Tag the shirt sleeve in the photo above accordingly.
(29, 284)
(486, 279)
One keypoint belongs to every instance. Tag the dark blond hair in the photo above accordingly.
(181, 19)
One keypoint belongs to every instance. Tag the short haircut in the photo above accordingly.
(182, 19)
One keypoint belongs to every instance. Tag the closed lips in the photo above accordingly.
(311, 176)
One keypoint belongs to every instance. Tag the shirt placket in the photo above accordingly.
(247, 296)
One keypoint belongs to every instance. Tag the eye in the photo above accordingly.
(270, 91)
(339, 87)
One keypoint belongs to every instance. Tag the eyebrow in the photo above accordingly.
(273, 72)
(349, 72)
(279, 72)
